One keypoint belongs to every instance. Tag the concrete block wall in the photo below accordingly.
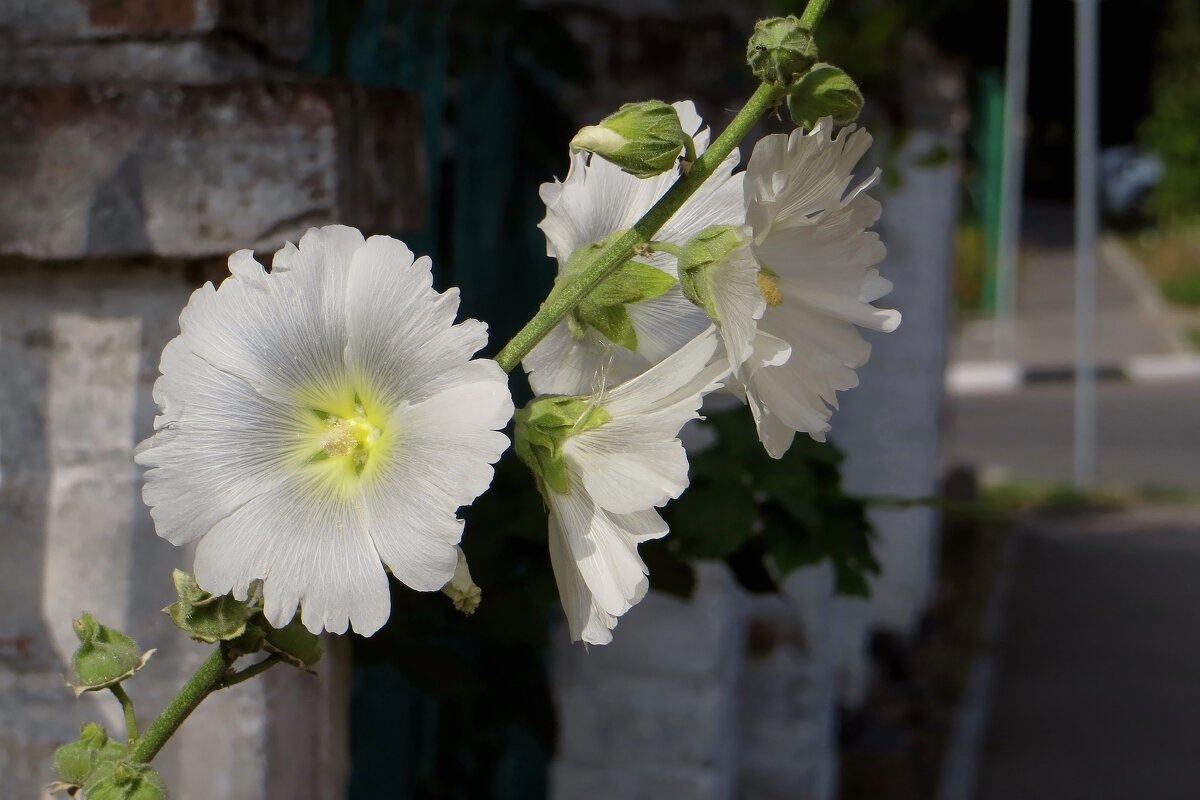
(140, 144)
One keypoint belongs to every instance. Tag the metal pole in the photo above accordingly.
(1086, 217)
(1016, 78)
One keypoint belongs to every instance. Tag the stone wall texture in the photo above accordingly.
(141, 141)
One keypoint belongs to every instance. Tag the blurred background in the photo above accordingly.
(986, 586)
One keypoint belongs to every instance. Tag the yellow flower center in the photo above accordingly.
(768, 286)
(344, 439)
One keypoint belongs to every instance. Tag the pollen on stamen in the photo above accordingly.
(340, 439)
(768, 286)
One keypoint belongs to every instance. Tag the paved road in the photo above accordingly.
(1098, 687)
(1149, 433)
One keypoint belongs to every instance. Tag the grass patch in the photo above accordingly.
(1193, 337)
(1183, 290)
(1171, 256)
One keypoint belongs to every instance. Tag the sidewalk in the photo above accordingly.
(1133, 337)
(1098, 686)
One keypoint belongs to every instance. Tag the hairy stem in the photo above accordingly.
(207, 678)
(131, 731)
(813, 13)
(559, 304)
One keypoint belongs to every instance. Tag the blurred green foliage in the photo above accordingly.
(1170, 131)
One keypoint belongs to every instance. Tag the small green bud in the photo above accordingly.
(75, 761)
(825, 91)
(780, 51)
(105, 656)
(205, 617)
(710, 246)
(604, 307)
(121, 780)
(295, 643)
(543, 427)
(644, 139)
(461, 590)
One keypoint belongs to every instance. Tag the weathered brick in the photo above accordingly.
(200, 170)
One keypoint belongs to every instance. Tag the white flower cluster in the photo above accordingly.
(325, 420)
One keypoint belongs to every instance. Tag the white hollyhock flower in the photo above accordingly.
(817, 275)
(604, 462)
(596, 201)
(320, 419)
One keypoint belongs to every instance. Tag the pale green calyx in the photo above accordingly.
(105, 656)
(644, 139)
(205, 617)
(710, 246)
(74, 762)
(604, 307)
(780, 51)
(121, 780)
(825, 91)
(294, 643)
(544, 426)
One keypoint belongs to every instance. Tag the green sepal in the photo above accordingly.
(543, 427)
(75, 761)
(644, 139)
(121, 780)
(604, 307)
(825, 91)
(294, 643)
(105, 656)
(780, 51)
(710, 246)
(206, 617)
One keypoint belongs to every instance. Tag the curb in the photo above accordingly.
(1003, 377)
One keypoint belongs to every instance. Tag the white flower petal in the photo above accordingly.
(218, 445)
(440, 460)
(605, 554)
(738, 301)
(585, 620)
(564, 364)
(401, 332)
(299, 308)
(625, 471)
(680, 380)
(665, 324)
(309, 548)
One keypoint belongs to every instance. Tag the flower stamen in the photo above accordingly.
(768, 286)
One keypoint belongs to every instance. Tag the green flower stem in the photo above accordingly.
(667, 247)
(560, 303)
(813, 13)
(131, 732)
(250, 672)
(207, 678)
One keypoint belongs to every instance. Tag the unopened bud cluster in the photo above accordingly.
(782, 53)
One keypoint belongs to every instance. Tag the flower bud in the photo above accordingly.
(74, 762)
(825, 91)
(105, 656)
(544, 425)
(644, 139)
(780, 51)
(295, 643)
(461, 590)
(205, 617)
(121, 780)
